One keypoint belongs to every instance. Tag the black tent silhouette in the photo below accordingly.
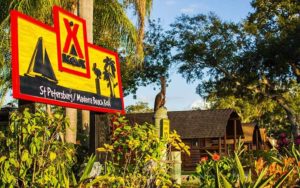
(73, 50)
(40, 62)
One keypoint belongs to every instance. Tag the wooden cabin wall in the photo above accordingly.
(198, 149)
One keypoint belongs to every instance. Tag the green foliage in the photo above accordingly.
(139, 107)
(255, 61)
(157, 62)
(250, 109)
(112, 28)
(32, 153)
(276, 171)
(137, 157)
(207, 170)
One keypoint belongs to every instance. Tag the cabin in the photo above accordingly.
(254, 136)
(203, 130)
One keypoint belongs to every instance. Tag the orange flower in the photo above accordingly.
(272, 168)
(216, 157)
(203, 159)
(259, 164)
(299, 163)
(288, 161)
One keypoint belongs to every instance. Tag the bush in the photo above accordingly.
(137, 157)
(32, 153)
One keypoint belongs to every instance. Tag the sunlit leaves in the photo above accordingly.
(136, 152)
(31, 148)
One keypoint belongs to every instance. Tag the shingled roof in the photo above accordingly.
(197, 123)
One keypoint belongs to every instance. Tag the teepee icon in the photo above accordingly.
(40, 64)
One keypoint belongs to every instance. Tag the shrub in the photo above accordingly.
(32, 153)
(137, 157)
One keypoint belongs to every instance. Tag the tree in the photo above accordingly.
(142, 9)
(157, 62)
(243, 63)
(275, 27)
(139, 107)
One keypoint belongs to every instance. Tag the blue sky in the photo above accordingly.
(180, 95)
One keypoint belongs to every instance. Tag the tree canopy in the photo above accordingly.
(139, 107)
(257, 59)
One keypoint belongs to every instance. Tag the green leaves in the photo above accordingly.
(52, 156)
(276, 174)
(2, 158)
(25, 155)
(88, 168)
(240, 168)
(32, 153)
(135, 155)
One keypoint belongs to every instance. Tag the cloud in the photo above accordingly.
(193, 8)
(200, 103)
(187, 10)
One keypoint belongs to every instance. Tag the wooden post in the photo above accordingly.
(176, 167)
(234, 139)
(92, 133)
(26, 104)
(159, 115)
(220, 145)
(225, 144)
(95, 122)
(256, 137)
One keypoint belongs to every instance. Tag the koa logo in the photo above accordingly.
(72, 43)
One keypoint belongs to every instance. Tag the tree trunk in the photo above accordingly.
(71, 113)
(71, 130)
(86, 9)
(291, 115)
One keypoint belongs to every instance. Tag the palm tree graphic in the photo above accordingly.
(109, 75)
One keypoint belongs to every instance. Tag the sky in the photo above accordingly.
(179, 94)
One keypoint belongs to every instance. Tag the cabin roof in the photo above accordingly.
(197, 123)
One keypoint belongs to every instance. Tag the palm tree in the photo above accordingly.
(142, 9)
(110, 75)
(114, 30)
